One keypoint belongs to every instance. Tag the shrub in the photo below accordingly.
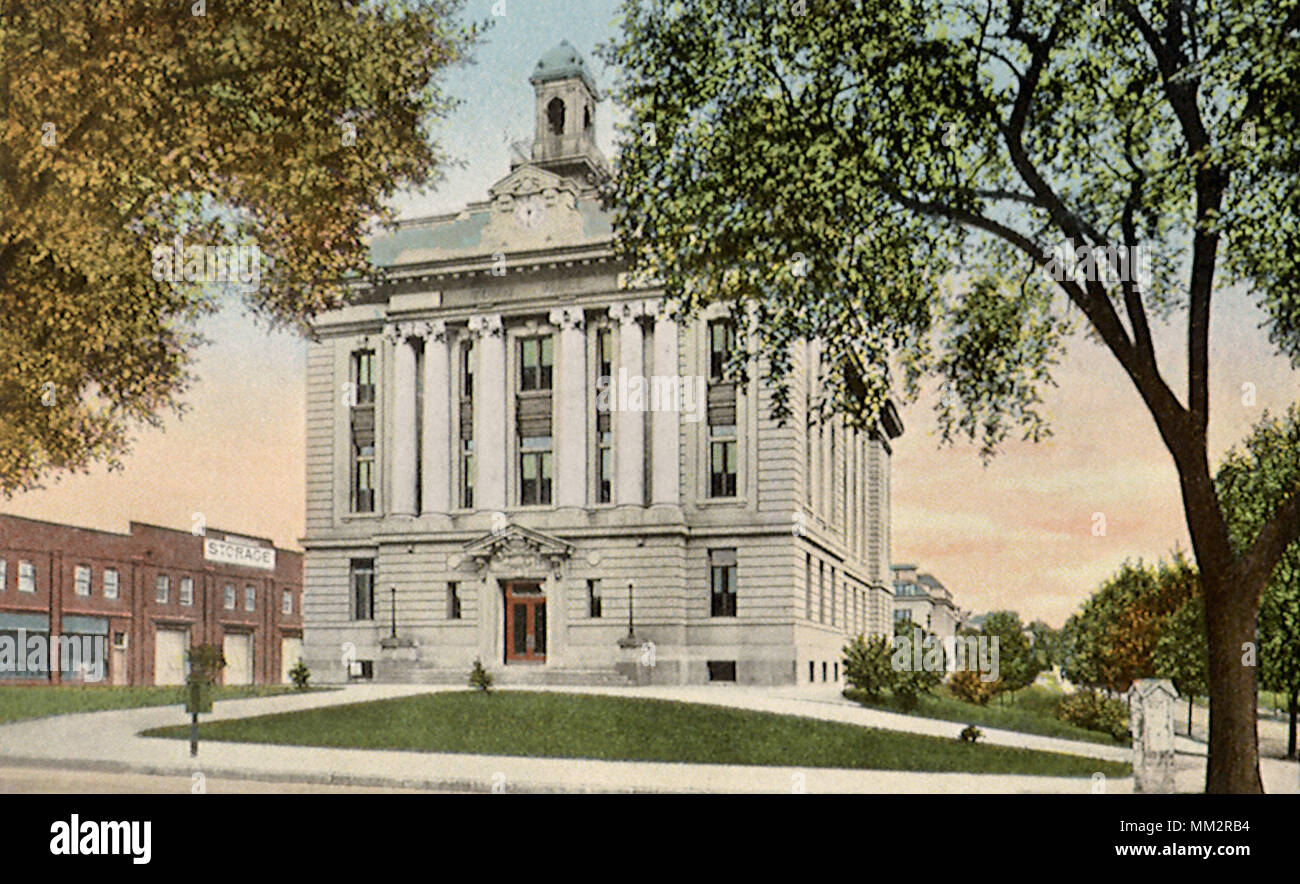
(299, 674)
(480, 678)
(966, 684)
(206, 663)
(1095, 712)
(970, 734)
(867, 668)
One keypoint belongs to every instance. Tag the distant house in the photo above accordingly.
(923, 600)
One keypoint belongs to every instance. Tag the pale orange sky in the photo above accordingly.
(1016, 534)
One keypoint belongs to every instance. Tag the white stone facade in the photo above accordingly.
(455, 443)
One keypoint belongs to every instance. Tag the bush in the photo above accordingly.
(867, 669)
(966, 684)
(1095, 712)
(206, 663)
(480, 678)
(299, 674)
(970, 734)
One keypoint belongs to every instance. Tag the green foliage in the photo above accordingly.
(1112, 640)
(1018, 665)
(1182, 653)
(1091, 710)
(910, 682)
(299, 675)
(285, 125)
(206, 663)
(479, 677)
(866, 666)
(967, 684)
(1252, 482)
(971, 734)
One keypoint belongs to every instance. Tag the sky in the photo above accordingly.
(1019, 533)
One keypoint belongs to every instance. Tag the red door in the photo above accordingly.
(525, 623)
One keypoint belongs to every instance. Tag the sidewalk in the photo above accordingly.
(109, 741)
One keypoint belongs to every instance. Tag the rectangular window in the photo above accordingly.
(453, 600)
(722, 670)
(110, 583)
(593, 598)
(535, 360)
(467, 474)
(807, 586)
(722, 340)
(722, 582)
(286, 602)
(604, 432)
(26, 577)
(821, 592)
(363, 432)
(363, 376)
(81, 580)
(250, 598)
(162, 589)
(229, 600)
(187, 591)
(4, 578)
(535, 471)
(722, 461)
(363, 589)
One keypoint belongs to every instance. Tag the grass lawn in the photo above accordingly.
(37, 701)
(1029, 711)
(557, 725)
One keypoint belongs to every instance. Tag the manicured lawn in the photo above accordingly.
(36, 701)
(1029, 711)
(558, 725)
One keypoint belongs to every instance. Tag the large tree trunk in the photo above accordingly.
(1234, 739)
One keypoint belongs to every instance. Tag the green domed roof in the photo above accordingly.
(561, 62)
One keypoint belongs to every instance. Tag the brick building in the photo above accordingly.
(148, 595)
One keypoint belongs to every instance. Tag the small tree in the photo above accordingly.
(910, 680)
(299, 675)
(1018, 665)
(1182, 654)
(866, 666)
(480, 678)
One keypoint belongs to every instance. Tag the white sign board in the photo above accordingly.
(239, 554)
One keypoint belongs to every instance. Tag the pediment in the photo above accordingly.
(518, 548)
(529, 180)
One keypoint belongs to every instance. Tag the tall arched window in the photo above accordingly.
(555, 116)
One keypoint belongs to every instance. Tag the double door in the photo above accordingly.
(525, 623)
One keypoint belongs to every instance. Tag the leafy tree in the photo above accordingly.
(866, 666)
(1017, 662)
(1112, 640)
(206, 663)
(902, 182)
(283, 125)
(1181, 653)
(910, 681)
(1046, 643)
(1250, 481)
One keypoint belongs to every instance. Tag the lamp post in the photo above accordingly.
(629, 640)
(392, 592)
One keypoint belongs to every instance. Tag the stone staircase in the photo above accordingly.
(503, 676)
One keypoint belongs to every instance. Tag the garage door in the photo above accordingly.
(238, 651)
(169, 649)
(290, 653)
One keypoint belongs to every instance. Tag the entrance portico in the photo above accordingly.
(521, 595)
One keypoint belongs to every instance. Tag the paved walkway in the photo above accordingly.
(110, 741)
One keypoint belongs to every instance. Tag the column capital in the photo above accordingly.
(400, 332)
(627, 312)
(486, 325)
(659, 308)
(568, 318)
(432, 330)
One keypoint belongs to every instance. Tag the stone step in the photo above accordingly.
(521, 675)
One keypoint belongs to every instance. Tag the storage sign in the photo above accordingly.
(239, 554)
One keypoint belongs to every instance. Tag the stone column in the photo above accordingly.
(665, 425)
(629, 420)
(1151, 720)
(571, 452)
(436, 473)
(490, 413)
(403, 443)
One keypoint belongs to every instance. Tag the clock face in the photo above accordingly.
(529, 211)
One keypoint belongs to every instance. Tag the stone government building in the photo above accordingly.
(470, 496)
